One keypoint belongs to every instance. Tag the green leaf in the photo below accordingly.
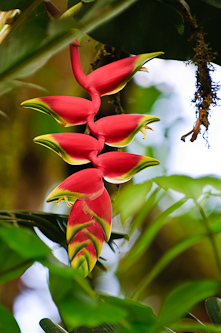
(50, 327)
(131, 198)
(149, 234)
(196, 328)
(14, 266)
(21, 247)
(137, 313)
(184, 298)
(24, 242)
(142, 99)
(8, 85)
(190, 187)
(8, 323)
(105, 328)
(172, 253)
(213, 307)
(76, 300)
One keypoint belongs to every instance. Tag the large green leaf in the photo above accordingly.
(8, 323)
(24, 242)
(21, 247)
(183, 298)
(8, 85)
(190, 187)
(139, 319)
(14, 266)
(154, 25)
(77, 302)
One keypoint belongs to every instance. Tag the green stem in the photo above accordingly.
(18, 20)
(73, 10)
(211, 237)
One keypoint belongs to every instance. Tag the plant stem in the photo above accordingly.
(52, 9)
(211, 236)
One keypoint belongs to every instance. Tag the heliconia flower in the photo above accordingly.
(89, 225)
(118, 167)
(66, 110)
(110, 78)
(119, 130)
(73, 148)
(84, 184)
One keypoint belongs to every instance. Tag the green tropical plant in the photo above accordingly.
(171, 224)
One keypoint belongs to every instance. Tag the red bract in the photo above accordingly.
(89, 223)
(111, 78)
(66, 110)
(85, 184)
(119, 130)
(119, 167)
(88, 227)
(74, 148)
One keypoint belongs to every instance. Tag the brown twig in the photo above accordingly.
(206, 90)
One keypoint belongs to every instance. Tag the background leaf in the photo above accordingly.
(213, 307)
(32, 247)
(190, 187)
(21, 247)
(76, 300)
(154, 25)
(183, 298)
(105, 328)
(8, 323)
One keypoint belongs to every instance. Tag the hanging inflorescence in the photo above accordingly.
(89, 223)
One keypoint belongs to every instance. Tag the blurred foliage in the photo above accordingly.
(171, 262)
(70, 291)
(7, 322)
